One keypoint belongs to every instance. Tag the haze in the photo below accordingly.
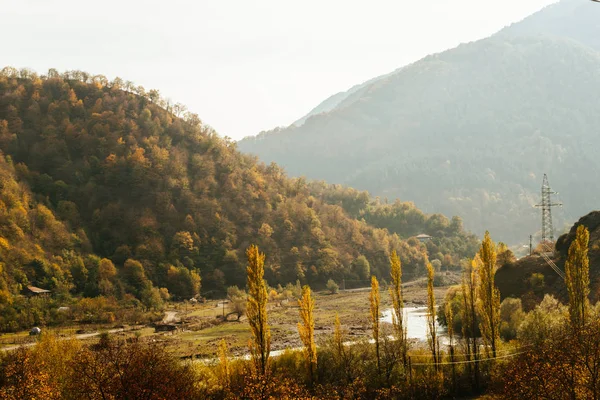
(244, 66)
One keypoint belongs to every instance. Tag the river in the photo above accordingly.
(416, 323)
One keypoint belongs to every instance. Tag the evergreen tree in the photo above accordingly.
(256, 309)
(375, 300)
(577, 279)
(489, 295)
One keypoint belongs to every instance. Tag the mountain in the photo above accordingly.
(572, 19)
(467, 132)
(339, 99)
(107, 191)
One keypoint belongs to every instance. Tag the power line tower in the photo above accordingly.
(546, 206)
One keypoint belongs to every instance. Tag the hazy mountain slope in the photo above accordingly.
(575, 19)
(339, 99)
(466, 132)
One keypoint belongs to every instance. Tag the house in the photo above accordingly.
(423, 237)
(36, 291)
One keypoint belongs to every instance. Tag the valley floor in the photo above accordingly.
(200, 328)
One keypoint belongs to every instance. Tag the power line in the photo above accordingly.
(474, 361)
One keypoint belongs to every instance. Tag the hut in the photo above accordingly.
(423, 237)
(36, 291)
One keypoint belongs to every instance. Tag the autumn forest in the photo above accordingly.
(119, 208)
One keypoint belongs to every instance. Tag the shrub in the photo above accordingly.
(332, 286)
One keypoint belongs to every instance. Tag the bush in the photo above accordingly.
(536, 281)
(511, 316)
(332, 286)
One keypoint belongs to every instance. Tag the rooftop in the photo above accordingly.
(37, 290)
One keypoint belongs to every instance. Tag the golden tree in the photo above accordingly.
(224, 372)
(398, 303)
(489, 295)
(338, 336)
(256, 309)
(450, 324)
(375, 300)
(306, 330)
(577, 278)
(432, 338)
(469, 316)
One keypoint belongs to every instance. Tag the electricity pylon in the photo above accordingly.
(546, 206)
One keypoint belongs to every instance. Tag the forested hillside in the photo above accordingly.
(107, 191)
(467, 132)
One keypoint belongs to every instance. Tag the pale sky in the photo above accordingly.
(247, 65)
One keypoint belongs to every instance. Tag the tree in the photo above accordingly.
(469, 316)
(432, 338)
(338, 336)
(224, 363)
(362, 267)
(375, 300)
(449, 313)
(256, 309)
(106, 269)
(489, 295)
(306, 330)
(577, 278)
(332, 286)
(135, 276)
(398, 303)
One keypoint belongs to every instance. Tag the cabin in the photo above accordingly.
(36, 291)
(424, 237)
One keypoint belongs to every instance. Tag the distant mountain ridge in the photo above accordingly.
(574, 19)
(468, 132)
(340, 99)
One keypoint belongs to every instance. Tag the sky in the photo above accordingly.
(244, 66)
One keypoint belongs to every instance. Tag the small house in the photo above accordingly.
(36, 291)
(423, 237)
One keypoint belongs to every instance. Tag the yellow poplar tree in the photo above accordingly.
(256, 309)
(577, 278)
(469, 315)
(489, 295)
(306, 329)
(398, 303)
(375, 300)
(224, 363)
(431, 328)
(449, 313)
(338, 336)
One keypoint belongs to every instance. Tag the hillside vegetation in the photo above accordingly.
(467, 132)
(530, 278)
(108, 192)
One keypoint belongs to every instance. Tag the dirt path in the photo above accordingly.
(79, 336)
(170, 316)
